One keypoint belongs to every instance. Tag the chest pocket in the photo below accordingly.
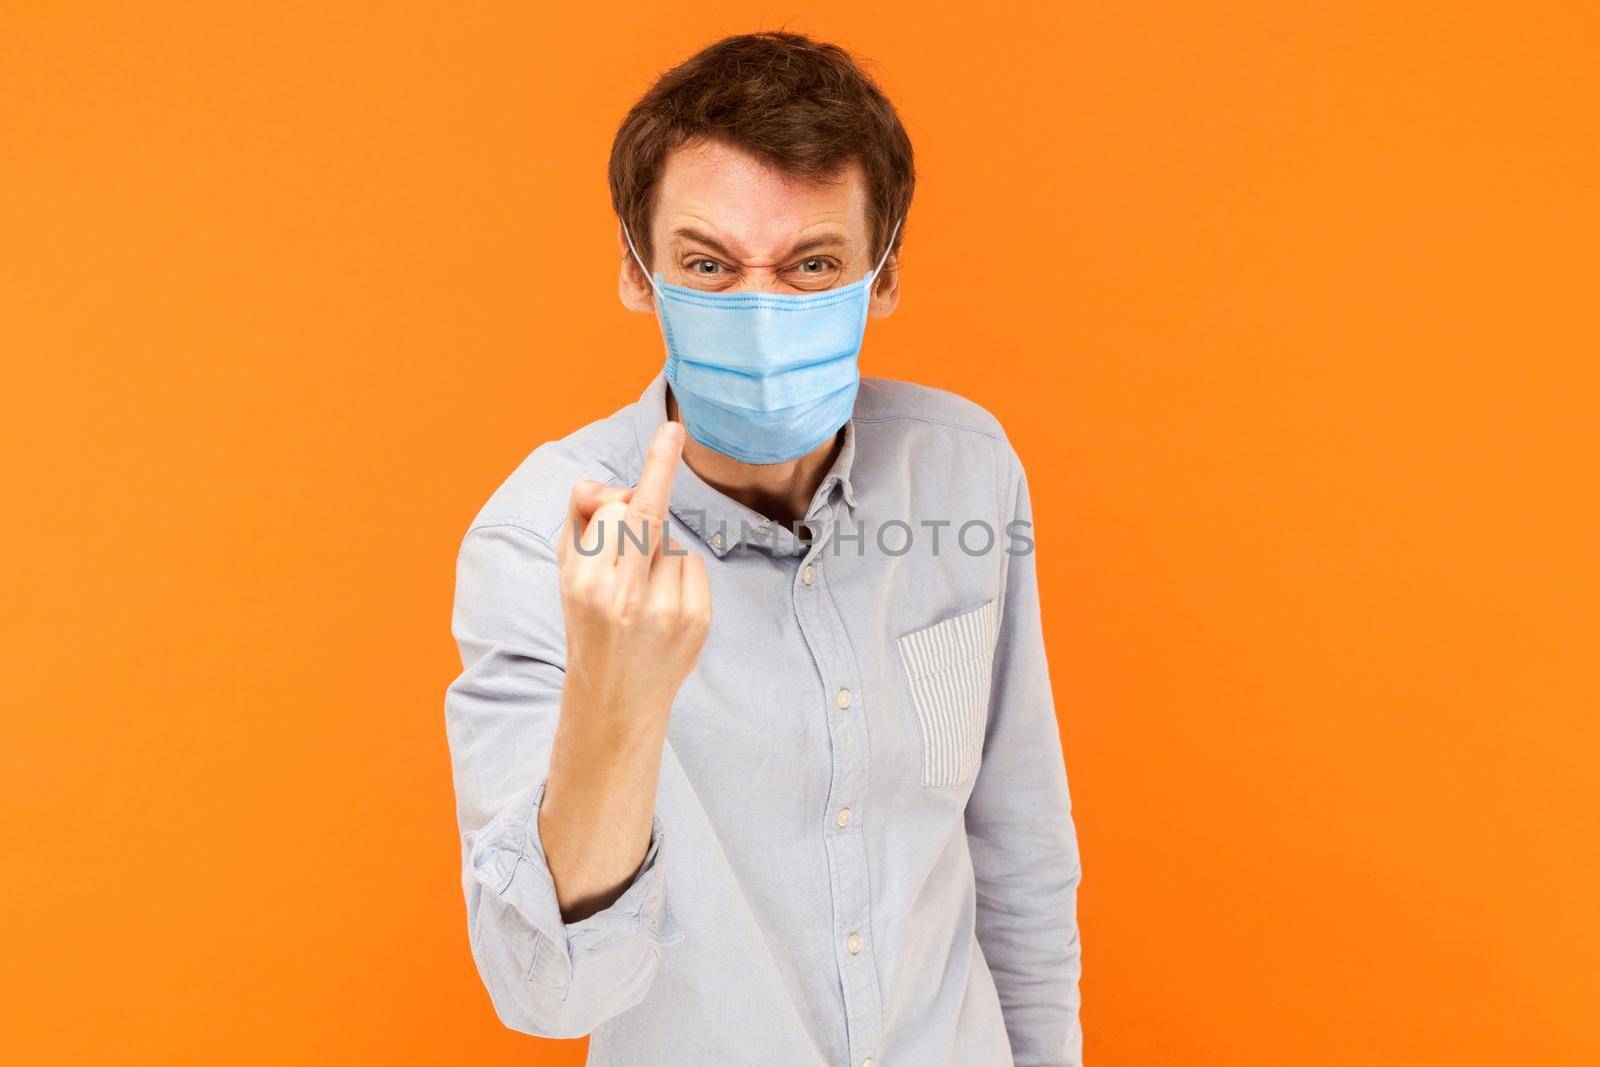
(948, 667)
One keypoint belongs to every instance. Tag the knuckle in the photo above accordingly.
(579, 586)
(660, 612)
(572, 578)
(623, 605)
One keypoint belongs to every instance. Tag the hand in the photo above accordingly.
(636, 615)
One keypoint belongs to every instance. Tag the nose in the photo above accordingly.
(760, 280)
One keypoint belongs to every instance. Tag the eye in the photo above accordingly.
(705, 268)
(813, 272)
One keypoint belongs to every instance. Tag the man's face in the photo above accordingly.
(726, 222)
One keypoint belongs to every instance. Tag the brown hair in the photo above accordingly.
(797, 104)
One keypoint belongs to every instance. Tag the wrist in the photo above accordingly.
(605, 737)
(609, 715)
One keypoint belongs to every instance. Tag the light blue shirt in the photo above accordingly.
(862, 853)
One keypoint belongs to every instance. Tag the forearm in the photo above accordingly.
(599, 800)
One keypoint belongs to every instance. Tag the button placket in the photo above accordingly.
(825, 635)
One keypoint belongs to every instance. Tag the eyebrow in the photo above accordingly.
(820, 241)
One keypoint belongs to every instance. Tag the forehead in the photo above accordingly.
(751, 206)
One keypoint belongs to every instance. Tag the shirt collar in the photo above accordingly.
(717, 519)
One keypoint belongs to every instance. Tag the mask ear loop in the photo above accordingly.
(636, 257)
(872, 278)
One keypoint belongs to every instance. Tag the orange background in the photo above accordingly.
(1290, 309)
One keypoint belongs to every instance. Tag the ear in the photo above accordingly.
(633, 288)
(886, 288)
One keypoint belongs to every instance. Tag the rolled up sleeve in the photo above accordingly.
(544, 976)
(552, 978)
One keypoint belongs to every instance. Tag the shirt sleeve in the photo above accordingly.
(1019, 826)
(544, 976)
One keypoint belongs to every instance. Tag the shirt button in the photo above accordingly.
(716, 540)
(808, 574)
(843, 818)
(869, 1062)
(853, 943)
(843, 699)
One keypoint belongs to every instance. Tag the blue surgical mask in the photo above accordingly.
(763, 377)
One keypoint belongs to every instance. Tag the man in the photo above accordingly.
(755, 751)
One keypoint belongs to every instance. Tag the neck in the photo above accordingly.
(778, 491)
